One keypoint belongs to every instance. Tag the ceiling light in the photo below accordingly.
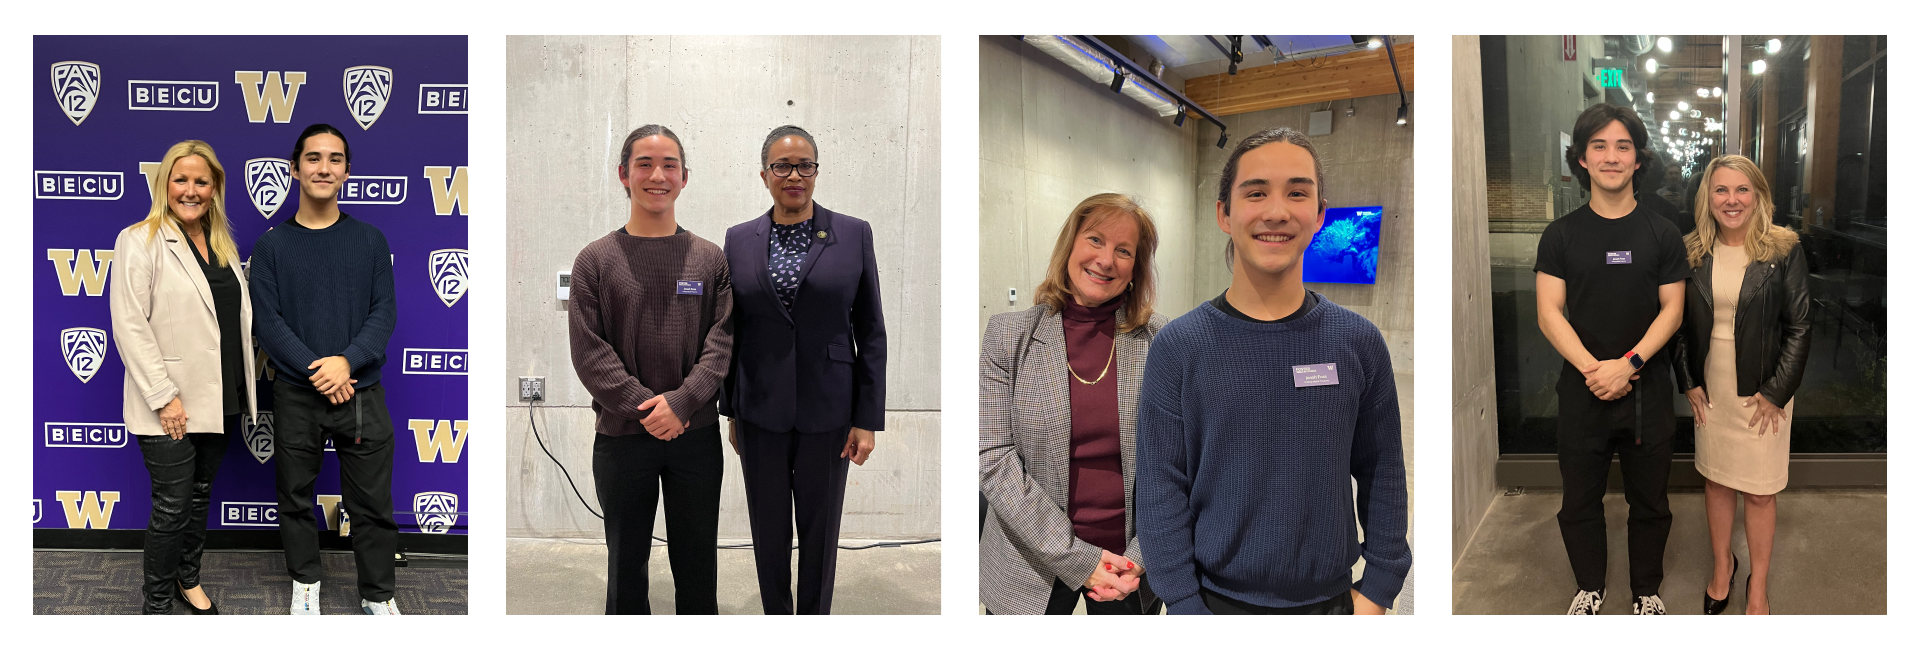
(1717, 91)
(1223, 140)
(1694, 113)
(1403, 115)
(1180, 117)
(1649, 97)
(1665, 44)
(1374, 43)
(1653, 66)
(1663, 130)
(1773, 46)
(1702, 92)
(1759, 66)
(1673, 114)
(1119, 80)
(1683, 105)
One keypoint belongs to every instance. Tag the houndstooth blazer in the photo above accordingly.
(1025, 442)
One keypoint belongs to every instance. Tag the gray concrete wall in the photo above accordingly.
(1049, 138)
(1476, 446)
(1368, 161)
(873, 105)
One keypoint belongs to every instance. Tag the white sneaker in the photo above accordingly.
(387, 607)
(306, 598)
(1649, 605)
(1587, 602)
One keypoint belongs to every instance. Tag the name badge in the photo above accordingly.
(1620, 258)
(689, 287)
(1307, 376)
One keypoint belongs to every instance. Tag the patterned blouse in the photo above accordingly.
(786, 250)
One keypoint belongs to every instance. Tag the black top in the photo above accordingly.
(226, 309)
(1312, 300)
(1613, 269)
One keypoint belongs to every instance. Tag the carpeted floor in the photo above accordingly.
(240, 582)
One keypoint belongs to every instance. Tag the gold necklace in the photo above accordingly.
(1103, 370)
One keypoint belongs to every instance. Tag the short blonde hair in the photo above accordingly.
(220, 244)
(1055, 290)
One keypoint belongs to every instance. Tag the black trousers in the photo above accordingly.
(794, 479)
(1586, 452)
(182, 472)
(1218, 603)
(363, 442)
(1064, 598)
(630, 475)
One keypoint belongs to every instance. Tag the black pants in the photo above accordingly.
(630, 475)
(1218, 603)
(1064, 598)
(794, 479)
(182, 471)
(1585, 454)
(363, 441)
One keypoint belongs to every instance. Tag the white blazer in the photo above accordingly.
(167, 332)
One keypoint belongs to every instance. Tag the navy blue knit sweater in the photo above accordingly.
(1243, 479)
(323, 292)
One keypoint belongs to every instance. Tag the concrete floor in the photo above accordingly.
(554, 576)
(1829, 556)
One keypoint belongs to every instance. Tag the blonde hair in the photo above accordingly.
(220, 244)
(1765, 240)
(1055, 291)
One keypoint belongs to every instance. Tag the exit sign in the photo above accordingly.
(1608, 77)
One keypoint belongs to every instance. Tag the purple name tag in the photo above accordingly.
(1620, 258)
(689, 287)
(1307, 376)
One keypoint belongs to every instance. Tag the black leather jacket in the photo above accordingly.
(1771, 328)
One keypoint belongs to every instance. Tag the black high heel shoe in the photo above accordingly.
(1717, 606)
(182, 595)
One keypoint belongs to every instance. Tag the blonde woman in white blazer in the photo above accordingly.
(182, 321)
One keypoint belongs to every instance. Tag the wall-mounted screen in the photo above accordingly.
(1347, 249)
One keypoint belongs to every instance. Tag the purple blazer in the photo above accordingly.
(823, 366)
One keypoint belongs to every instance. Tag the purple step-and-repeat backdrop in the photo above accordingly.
(105, 111)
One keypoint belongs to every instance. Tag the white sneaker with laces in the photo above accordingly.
(1586, 602)
(306, 598)
(1649, 605)
(387, 607)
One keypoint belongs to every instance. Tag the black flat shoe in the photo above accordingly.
(1714, 606)
(182, 595)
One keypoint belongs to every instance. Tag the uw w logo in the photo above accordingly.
(82, 269)
(91, 510)
(448, 196)
(442, 439)
(276, 99)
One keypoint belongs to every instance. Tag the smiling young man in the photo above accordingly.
(1260, 412)
(323, 310)
(1618, 270)
(648, 323)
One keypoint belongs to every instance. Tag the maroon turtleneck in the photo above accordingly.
(1096, 489)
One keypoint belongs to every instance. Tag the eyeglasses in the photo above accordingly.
(807, 169)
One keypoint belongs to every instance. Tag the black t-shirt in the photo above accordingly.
(1312, 299)
(1613, 269)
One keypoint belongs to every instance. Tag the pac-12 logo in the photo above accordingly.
(84, 349)
(86, 435)
(87, 509)
(258, 434)
(367, 89)
(81, 270)
(269, 182)
(436, 511)
(443, 439)
(76, 87)
(447, 269)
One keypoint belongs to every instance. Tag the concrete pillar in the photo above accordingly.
(1476, 446)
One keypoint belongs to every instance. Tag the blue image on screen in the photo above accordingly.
(1347, 249)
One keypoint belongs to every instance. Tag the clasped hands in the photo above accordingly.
(332, 379)
(1608, 379)
(659, 419)
(1114, 579)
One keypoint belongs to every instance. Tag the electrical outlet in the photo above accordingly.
(533, 388)
(1013, 295)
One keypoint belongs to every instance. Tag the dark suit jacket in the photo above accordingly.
(823, 366)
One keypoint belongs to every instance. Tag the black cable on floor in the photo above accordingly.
(583, 501)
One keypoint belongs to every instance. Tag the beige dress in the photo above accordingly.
(1726, 450)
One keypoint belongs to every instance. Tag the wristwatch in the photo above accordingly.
(1635, 360)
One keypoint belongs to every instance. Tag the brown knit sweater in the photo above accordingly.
(637, 330)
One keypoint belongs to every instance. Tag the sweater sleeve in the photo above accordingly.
(1381, 476)
(595, 360)
(716, 351)
(369, 344)
(269, 325)
(1163, 481)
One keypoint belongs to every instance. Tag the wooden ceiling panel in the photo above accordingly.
(1290, 83)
